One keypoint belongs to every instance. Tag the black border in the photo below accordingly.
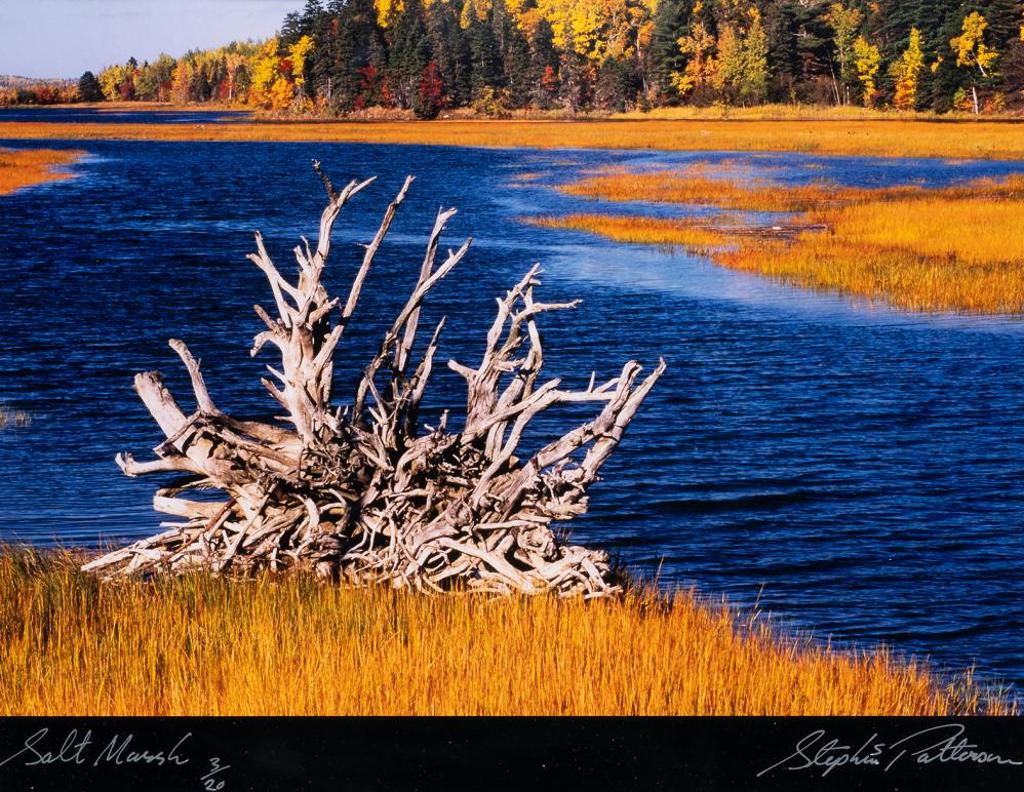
(526, 753)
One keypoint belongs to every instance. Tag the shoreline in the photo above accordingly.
(990, 139)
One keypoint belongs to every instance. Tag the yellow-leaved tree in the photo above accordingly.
(867, 59)
(754, 85)
(181, 80)
(387, 10)
(281, 94)
(110, 80)
(598, 29)
(297, 54)
(263, 73)
(699, 44)
(237, 64)
(971, 50)
(845, 22)
(740, 70)
(907, 72)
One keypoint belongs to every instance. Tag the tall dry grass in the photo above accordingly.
(694, 235)
(905, 281)
(719, 185)
(883, 138)
(959, 248)
(703, 185)
(202, 645)
(23, 167)
(970, 230)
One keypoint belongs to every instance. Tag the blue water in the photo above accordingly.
(92, 115)
(858, 469)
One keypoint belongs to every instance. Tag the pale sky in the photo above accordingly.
(63, 38)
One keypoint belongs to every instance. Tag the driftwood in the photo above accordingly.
(364, 493)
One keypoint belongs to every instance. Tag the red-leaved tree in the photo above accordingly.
(429, 99)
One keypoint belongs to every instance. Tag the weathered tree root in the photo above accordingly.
(363, 493)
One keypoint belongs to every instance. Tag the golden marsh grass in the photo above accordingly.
(639, 230)
(858, 137)
(201, 645)
(959, 248)
(22, 168)
(694, 186)
(717, 185)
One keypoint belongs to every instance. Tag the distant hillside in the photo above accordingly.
(14, 81)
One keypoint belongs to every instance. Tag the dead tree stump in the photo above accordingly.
(364, 493)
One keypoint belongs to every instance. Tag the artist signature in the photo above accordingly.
(937, 745)
(77, 748)
(941, 744)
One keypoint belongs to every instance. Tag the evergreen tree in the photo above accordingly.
(519, 74)
(320, 61)
(486, 75)
(545, 62)
(89, 89)
(617, 85)
(817, 71)
(939, 21)
(199, 87)
(670, 24)
(1004, 18)
(1012, 67)
(451, 53)
(291, 31)
(219, 78)
(311, 15)
(502, 25)
(241, 81)
(781, 27)
(575, 77)
(356, 38)
(408, 54)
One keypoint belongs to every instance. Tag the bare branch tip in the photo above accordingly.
(332, 194)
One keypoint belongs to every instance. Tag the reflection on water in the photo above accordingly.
(861, 465)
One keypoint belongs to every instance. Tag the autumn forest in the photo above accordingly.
(389, 58)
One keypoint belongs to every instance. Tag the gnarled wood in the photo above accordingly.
(366, 493)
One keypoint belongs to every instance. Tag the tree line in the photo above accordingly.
(504, 56)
